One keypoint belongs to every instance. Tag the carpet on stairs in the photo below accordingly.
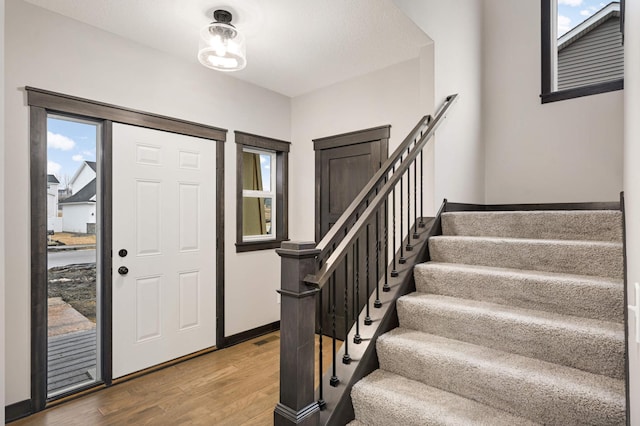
(517, 319)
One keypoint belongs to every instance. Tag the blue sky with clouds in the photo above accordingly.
(572, 12)
(69, 143)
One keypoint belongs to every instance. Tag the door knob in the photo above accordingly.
(123, 270)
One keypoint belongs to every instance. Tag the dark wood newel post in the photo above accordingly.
(297, 404)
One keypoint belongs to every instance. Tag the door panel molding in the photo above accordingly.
(163, 216)
(41, 103)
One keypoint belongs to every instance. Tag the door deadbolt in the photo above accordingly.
(123, 270)
(123, 253)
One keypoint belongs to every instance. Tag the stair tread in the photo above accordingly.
(512, 313)
(593, 258)
(578, 295)
(501, 362)
(388, 398)
(504, 380)
(603, 225)
(537, 241)
(494, 270)
(547, 336)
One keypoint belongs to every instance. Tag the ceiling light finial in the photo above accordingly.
(222, 46)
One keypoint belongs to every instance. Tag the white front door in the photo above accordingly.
(164, 217)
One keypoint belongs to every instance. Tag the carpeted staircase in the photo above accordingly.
(517, 320)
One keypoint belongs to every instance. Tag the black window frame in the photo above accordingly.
(547, 95)
(281, 148)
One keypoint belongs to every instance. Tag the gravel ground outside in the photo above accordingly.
(76, 285)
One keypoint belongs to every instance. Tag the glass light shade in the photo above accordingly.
(222, 47)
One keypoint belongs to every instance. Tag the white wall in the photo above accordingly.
(566, 151)
(2, 274)
(85, 174)
(632, 186)
(388, 96)
(52, 200)
(455, 26)
(76, 216)
(49, 51)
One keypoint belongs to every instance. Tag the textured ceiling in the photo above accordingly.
(293, 46)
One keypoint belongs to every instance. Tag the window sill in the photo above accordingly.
(258, 245)
(578, 92)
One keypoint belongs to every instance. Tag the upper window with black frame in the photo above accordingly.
(582, 50)
(262, 206)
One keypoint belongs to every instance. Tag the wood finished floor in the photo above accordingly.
(233, 386)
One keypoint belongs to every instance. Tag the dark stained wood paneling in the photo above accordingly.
(352, 138)
(252, 334)
(281, 148)
(17, 410)
(220, 271)
(343, 167)
(349, 169)
(38, 172)
(263, 142)
(106, 218)
(458, 207)
(627, 391)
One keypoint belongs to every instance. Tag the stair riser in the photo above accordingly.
(537, 398)
(578, 296)
(601, 352)
(561, 225)
(594, 259)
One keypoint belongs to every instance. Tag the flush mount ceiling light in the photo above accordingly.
(222, 47)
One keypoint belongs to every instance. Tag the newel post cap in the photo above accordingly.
(298, 249)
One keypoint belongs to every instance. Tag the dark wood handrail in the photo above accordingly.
(331, 263)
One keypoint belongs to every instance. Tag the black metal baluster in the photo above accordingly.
(415, 200)
(377, 303)
(394, 271)
(346, 359)
(402, 260)
(367, 318)
(409, 245)
(386, 287)
(356, 299)
(321, 401)
(332, 293)
(421, 189)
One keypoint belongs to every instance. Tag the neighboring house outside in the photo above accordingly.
(85, 174)
(592, 52)
(54, 223)
(63, 194)
(79, 209)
